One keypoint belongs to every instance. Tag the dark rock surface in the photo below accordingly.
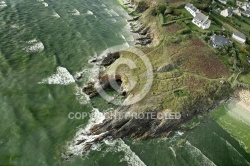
(110, 58)
(166, 68)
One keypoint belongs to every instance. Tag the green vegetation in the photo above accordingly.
(203, 74)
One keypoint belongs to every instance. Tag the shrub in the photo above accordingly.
(184, 31)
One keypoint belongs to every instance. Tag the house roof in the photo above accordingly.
(220, 40)
(229, 11)
(240, 35)
(192, 7)
(201, 17)
(247, 12)
(223, 0)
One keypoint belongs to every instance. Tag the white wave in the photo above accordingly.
(34, 46)
(3, 4)
(123, 37)
(196, 153)
(173, 151)
(84, 133)
(90, 12)
(40, 0)
(81, 97)
(113, 20)
(15, 26)
(113, 13)
(129, 156)
(56, 15)
(180, 133)
(108, 11)
(61, 77)
(45, 4)
(75, 12)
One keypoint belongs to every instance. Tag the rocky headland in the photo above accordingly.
(188, 80)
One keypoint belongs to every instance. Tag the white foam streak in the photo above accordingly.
(129, 156)
(45, 4)
(75, 12)
(34, 46)
(196, 153)
(84, 133)
(3, 4)
(81, 97)
(61, 77)
(56, 15)
(90, 12)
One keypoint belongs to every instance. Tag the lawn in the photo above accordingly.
(244, 78)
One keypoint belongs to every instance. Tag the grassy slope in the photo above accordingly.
(194, 83)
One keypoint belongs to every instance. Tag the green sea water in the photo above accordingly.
(34, 124)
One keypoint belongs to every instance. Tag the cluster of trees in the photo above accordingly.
(159, 9)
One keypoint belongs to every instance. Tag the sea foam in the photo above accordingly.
(61, 77)
(2, 4)
(34, 46)
(45, 4)
(84, 133)
(129, 156)
(75, 12)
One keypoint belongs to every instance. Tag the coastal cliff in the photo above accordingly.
(188, 79)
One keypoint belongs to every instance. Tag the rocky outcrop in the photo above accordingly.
(90, 90)
(110, 58)
(143, 33)
(150, 124)
(166, 68)
(105, 81)
(140, 6)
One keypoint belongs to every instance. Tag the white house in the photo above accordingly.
(223, 1)
(227, 12)
(201, 21)
(192, 9)
(239, 37)
(243, 5)
(237, 11)
(246, 13)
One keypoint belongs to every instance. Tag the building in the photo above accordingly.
(239, 37)
(192, 9)
(242, 4)
(201, 21)
(246, 13)
(237, 11)
(223, 1)
(219, 41)
(227, 12)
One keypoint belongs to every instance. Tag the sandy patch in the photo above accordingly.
(243, 97)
